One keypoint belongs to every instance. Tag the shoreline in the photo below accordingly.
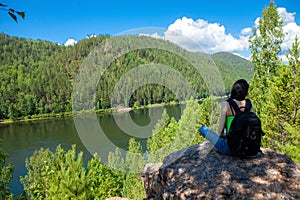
(119, 109)
(107, 111)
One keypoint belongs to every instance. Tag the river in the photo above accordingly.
(21, 139)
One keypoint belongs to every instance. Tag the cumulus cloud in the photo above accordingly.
(201, 36)
(290, 28)
(286, 16)
(70, 42)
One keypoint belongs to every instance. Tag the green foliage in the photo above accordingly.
(133, 185)
(6, 173)
(169, 135)
(62, 175)
(188, 126)
(294, 68)
(129, 169)
(116, 160)
(232, 67)
(265, 47)
(274, 90)
(134, 157)
(291, 148)
(163, 135)
(37, 76)
(281, 124)
(266, 40)
(104, 181)
(209, 113)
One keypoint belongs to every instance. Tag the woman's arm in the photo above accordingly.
(222, 118)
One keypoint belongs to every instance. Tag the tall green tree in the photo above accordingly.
(188, 126)
(294, 67)
(275, 86)
(282, 121)
(133, 186)
(265, 47)
(162, 138)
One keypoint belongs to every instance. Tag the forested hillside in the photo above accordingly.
(37, 76)
(231, 66)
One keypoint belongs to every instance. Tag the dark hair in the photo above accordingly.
(239, 90)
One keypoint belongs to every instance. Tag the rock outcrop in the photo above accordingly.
(198, 172)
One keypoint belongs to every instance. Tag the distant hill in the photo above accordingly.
(37, 76)
(232, 68)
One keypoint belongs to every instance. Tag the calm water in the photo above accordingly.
(22, 139)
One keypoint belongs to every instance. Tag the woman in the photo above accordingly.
(239, 92)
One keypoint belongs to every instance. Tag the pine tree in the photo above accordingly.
(188, 126)
(158, 144)
(274, 90)
(135, 162)
(294, 67)
(62, 175)
(265, 47)
(282, 129)
(283, 119)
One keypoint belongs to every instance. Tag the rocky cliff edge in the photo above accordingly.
(198, 172)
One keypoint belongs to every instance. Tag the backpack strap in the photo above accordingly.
(233, 105)
(236, 108)
(230, 105)
(248, 105)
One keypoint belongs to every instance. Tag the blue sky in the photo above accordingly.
(229, 20)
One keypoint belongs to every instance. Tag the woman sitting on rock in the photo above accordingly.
(238, 94)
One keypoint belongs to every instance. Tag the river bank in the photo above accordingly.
(118, 109)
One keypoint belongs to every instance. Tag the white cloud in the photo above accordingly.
(70, 42)
(290, 28)
(286, 16)
(246, 31)
(202, 36)
(154, 35)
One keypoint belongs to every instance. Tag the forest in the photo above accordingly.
(38, 81)
(37, 76)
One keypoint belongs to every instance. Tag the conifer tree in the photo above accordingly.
(265, 47)
(62, 175)
(282, 120)
(133, 185)
(188, 126)
(163, 134)
(294, 67)
(275, 87)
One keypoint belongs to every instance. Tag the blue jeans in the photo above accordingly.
(220, 143)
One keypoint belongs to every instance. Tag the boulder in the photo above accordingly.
(199, 172)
